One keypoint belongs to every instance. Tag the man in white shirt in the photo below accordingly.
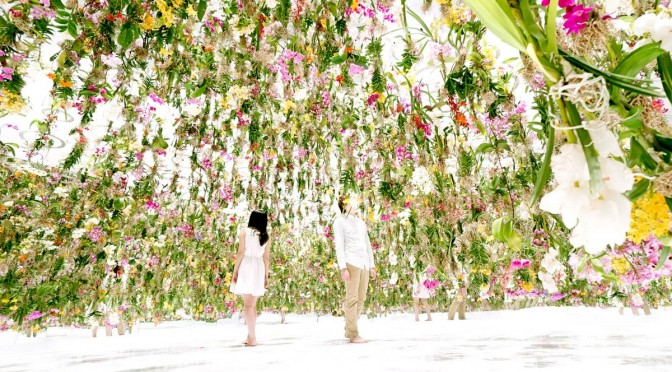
(355, 259)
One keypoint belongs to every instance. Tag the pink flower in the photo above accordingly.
(6, 73)
(576, 17)
(34, 315)
(372, 99)
(431, 270)
(355, 69)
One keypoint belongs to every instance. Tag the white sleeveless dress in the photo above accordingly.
(252, 271)
(419, 289)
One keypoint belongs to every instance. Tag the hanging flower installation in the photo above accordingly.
(136, 136)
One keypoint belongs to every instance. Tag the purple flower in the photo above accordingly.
(34, 315)
(558, 296)
(95, 234)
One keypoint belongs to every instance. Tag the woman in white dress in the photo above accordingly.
(420, 292)
(250, 274)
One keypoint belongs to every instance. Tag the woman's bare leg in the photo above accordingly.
(251, 319)
(416, 307)
(426, 306)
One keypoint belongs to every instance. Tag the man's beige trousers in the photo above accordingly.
(355, 295)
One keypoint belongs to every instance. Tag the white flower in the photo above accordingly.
(644, 24)
(192, 109)
(271, 3)
(548, 282)
(392, 259)
(597, 219)
(606, 221)
(78, 233)
(451, 165)
(422, 180)
(61, 191)
(393, 278)
(111, 60)
(605, 141)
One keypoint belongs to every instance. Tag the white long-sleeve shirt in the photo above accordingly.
(352, 243)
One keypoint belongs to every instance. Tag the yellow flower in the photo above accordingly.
(650, 215)
(620, 265)
(289, 105)
(190, 11)
(527, 286)
(13, 308)
(5, 300)
(147, 22)
(354, 5)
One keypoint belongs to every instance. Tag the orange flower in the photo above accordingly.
(51, 76)
(65, 84)
(348, 49)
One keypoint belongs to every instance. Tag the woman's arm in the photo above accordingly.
(239, 255)
(267, 260)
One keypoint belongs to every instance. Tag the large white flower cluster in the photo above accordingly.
(599, 218)
(553, 272)
(422, 180)
(658, 26)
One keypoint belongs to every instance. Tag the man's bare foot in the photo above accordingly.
(417, 319)
(428, 319)
(358, 340)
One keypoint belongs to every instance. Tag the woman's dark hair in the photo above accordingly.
(341, 203)
(259, 222)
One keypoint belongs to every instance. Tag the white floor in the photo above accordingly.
(548, 339)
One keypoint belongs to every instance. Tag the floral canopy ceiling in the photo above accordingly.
(518, 149)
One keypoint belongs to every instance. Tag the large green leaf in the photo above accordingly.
(551, 26)
(634, 62)
(620, 81)
(545, 171)
(664, 256)
(589, 151)
(665, 71)
(497, 17)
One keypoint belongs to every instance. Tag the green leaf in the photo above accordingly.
(639, 155)
(545, 172)
(634, 62)
(551, 26)
(664, 256)
(72, 28)
(665, 71)
(531, 23)
(639, 190)
(497, 17)
(483, 148)
(57, 4)
(338, 59)
(583, 262)
(589, 151)
(634, 121)
(198, 92)
(620, 81)
(421, 22)
(202, 6)
(669, 203)
(661, 143)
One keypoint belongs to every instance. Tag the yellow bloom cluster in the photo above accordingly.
(650, 215)
(620, 265)
(10, 103)
(457, 15)
(167, 16)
